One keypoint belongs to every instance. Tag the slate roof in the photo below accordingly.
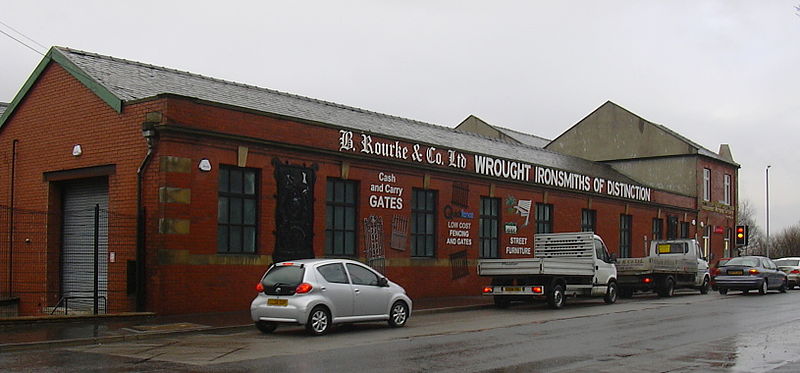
(525, 138)
(131, 81)
(3, 107)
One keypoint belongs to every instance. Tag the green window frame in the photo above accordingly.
(237, 210)
(489, 227)
(423, 223)
(341, 217)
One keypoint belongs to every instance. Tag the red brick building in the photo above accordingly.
(200, 184)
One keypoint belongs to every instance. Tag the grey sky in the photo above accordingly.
(714, 71)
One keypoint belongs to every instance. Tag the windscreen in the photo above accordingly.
(787, 262)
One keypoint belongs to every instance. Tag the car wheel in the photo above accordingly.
(266, 327)
(704, 287)
(556, 297)
(763, 289)
(319, 321)
(668, 290)
(723, 291)
(611, 293)
(501, 302)
(783, 287)
(399, 314)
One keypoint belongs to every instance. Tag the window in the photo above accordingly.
(673, 248)
(588, 220)
(544, 218)
(423, 226)
(672, 228)
(340, 218)
(237, 210)
(657, 227)
(685, 229)
(707, 240)
(727, 182)
(489, 226)
(333, 273)
(625, 222)
(706, 184)
(601, 251)
(361, 275)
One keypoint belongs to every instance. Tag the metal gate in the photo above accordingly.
(373, 238)
(82, 229)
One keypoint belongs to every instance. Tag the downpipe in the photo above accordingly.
(149, 133)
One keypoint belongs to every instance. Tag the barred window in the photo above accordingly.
(544, 218)
(588, 220)
(489, 226)
(341, 218)
(237, 210)
(672, 228)
(625, 229)
(423, 225)
(658, 225)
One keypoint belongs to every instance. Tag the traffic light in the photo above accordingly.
(742, 235)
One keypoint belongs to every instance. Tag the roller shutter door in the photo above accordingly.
(77, 266)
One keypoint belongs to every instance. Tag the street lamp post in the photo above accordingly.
(767, 187)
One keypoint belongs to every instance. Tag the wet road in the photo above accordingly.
(686, 333)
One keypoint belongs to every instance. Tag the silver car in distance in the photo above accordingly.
(318, 293)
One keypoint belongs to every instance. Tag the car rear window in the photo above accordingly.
(749, 262)
(284, 275)
(722, 262)
(787, 263)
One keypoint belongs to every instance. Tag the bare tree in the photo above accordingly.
(786, 243)
(745, 215)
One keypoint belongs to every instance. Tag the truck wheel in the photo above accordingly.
(611, 293)
(704, 287)
(626, 293)
(668, 290)
(501, 302)
(556, 297)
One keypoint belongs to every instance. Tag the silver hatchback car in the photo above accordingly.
(318, 293)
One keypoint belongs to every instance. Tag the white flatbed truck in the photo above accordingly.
(563, 264)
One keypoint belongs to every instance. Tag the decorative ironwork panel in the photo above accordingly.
(460, 194)
(399, 232)
(294, 211)
(373, 240)
(458, 264)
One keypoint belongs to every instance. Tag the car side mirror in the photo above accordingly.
(612, 258)
(383, 282)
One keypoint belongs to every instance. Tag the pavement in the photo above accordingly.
(35, 332)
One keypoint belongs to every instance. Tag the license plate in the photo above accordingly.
(277, 302)
(734, 272)
(512, 288)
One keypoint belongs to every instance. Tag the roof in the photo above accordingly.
(119, 82)
(3, 106)
(525, 138)
(727, 158)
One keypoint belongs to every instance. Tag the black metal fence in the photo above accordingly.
(71, 262)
